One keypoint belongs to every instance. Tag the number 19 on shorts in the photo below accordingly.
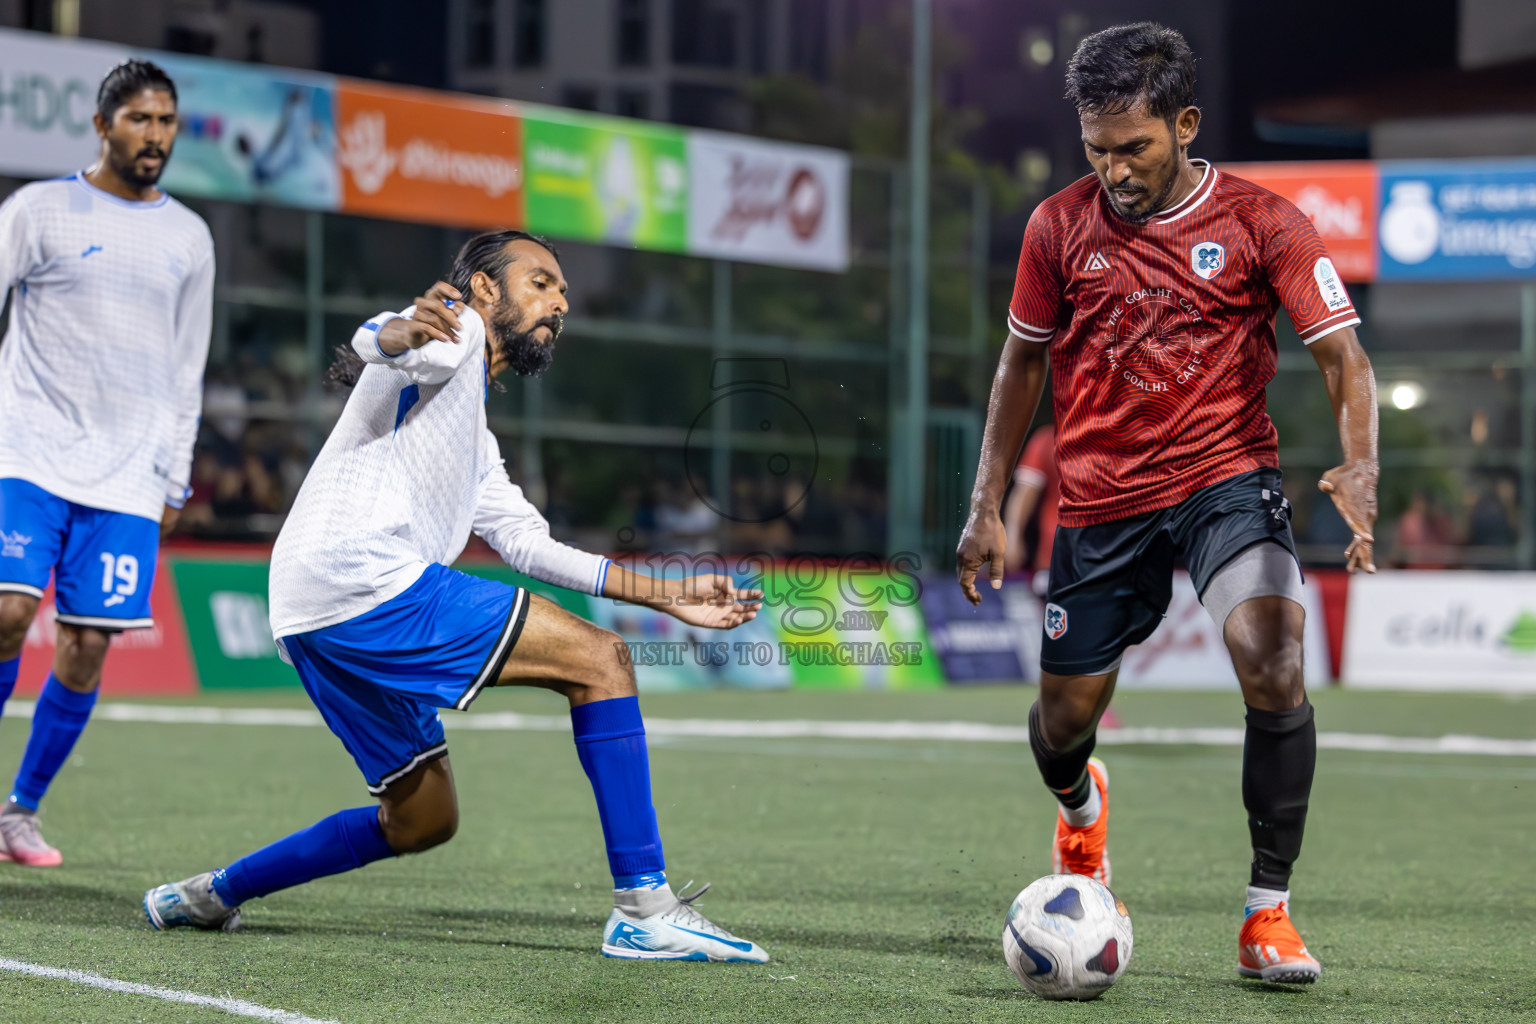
(119, 577)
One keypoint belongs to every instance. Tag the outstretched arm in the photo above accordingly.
(1015, 393)
(511, 525)
(1352, 486)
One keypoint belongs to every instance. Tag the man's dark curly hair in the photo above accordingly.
(486, 252)
(1120, 67)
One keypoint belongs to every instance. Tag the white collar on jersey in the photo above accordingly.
(1194, 199)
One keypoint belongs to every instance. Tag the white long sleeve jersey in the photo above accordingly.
(101, 372)
(410, 469)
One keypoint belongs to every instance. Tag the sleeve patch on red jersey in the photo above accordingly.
(1329, 286)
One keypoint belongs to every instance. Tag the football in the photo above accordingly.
(1067, 937)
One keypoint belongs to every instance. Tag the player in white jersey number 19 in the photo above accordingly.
(111, 283)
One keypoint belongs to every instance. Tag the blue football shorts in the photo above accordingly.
(103, 563)
(378, 679)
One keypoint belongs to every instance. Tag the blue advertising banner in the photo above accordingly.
(253, 134)
(997, 641)
(1461, 220)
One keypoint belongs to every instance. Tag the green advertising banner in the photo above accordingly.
(225, 606)
(821, 627)
(847, 626)
(606, 180)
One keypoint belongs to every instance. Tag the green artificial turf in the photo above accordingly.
(876, 873)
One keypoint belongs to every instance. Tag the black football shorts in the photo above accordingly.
(1111, 582)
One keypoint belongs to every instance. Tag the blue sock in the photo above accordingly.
(9, 669)
(610, 740)
(344, 841)
(57, 723)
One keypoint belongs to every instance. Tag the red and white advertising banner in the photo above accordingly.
(432, 157)
(767, 202)
(1340, 196)
(140, 662)
(1442, 631)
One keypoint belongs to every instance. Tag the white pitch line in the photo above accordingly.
(718, 728)
(239, 1007)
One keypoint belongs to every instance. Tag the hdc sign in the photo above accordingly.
(47, 96)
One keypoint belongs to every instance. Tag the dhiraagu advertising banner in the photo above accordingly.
(253, 134)
(596, 179)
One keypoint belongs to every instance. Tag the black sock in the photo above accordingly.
(1065, 773)
(1279, 757)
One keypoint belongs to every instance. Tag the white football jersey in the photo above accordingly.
(408, 472)
(101, 372)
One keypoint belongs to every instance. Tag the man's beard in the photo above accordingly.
(1153, 208)
(127, 169)
(525, 354)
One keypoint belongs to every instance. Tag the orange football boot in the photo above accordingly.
(1085, 851)
(1269, 948)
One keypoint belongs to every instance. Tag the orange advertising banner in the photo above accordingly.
(1341, 197)
(414, 155)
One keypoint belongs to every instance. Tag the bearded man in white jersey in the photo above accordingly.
(383, 633)
(111, 284)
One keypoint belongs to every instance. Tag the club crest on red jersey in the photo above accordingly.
(1207, 259)
(1055, 621)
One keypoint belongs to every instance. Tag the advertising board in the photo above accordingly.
(47, 98)
(767, 202)
(252, 134)
(596, 179)
(1458, 220)
(1442, 631)
(414, 155)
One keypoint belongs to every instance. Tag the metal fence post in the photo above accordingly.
(1527, 541)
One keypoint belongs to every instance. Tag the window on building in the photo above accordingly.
(579, 97)
(808, 37)
(632, 103)
(757, 36)
(480, 34)
(704, 33)
(634, 35)
(529, 26)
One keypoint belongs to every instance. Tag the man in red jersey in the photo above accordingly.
(1150, 289)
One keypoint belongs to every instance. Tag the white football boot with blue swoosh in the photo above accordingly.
(653, 924)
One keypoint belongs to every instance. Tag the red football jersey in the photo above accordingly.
(1162, 336)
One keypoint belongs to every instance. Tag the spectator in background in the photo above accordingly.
(1036, 489)
(1425, 537)
(1492, 517)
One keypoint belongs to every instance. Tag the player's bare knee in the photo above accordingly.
(16, 614)
(418, 829)
(81, 653)
(1273, 678)
(614, 674)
